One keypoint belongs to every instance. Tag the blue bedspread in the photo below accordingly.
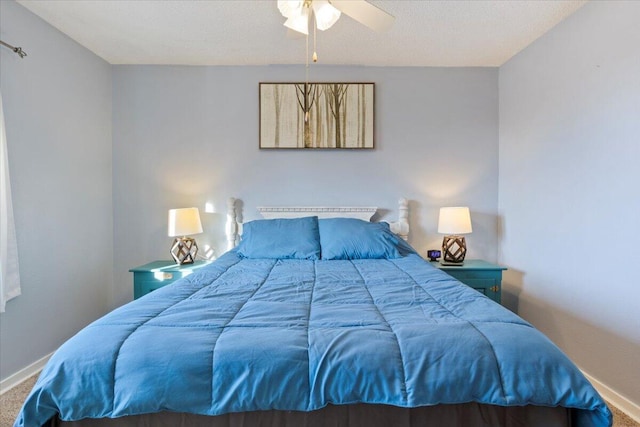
(257, 334)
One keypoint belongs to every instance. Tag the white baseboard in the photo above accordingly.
(23, 374)
(615, 398)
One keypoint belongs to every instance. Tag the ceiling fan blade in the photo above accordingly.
(365, 13)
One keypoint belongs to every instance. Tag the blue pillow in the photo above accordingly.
(281, 238)
(350, 238)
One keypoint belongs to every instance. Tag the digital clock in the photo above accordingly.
(434, 254)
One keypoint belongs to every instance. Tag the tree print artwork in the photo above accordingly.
(316, 115)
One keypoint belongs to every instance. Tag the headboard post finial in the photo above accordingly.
(401, 228)
(403, 206)
(231, 228)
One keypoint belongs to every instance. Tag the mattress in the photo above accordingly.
(249, 335)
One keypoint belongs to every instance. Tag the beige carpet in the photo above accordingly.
(11, 402)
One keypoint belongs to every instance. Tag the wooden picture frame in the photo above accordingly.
(317, 115)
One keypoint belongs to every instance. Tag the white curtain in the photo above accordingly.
(9, 269)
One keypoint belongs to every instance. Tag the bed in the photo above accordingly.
(316, 318)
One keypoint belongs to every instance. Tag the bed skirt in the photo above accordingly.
(468, 414)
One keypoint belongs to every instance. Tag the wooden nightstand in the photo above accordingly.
(157, 274)
(480, 275)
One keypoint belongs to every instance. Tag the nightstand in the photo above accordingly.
(157, 274)
(482, 276)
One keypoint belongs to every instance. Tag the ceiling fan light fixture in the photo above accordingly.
(299, 23)
(326, 15)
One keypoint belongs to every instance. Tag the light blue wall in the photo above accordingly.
(57, 104)
(569, 194)
(185, 136)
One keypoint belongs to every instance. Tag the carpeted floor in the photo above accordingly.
(11, 402)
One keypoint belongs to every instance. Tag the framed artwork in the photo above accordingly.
(316, 115)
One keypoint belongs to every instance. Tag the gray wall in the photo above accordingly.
(185, 136)
(569, 189)
(57, 104)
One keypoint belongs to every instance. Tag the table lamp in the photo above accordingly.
(183, 222)
(453, 222)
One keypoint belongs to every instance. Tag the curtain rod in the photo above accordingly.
(17, 50)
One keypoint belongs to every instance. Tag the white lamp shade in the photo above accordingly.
(326, 15)
(455, 220)
(183, 222)
(300, 22)
(290, 8)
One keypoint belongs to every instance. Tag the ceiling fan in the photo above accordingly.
(325, 13)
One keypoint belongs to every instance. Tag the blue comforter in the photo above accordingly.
(257, 334)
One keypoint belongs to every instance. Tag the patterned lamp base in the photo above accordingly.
(454, 248)
(184, 250)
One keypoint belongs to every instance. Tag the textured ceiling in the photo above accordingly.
(250, 32)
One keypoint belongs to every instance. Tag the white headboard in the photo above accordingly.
(364, 214)
(234, 228)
